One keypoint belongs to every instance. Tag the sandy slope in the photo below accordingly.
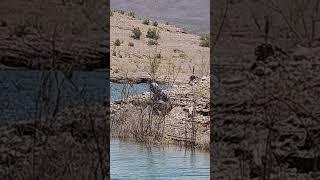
(180, 51)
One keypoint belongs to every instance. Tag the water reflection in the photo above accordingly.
(137, 161)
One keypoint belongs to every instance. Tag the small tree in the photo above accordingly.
(153, 33)
(155, 23)
(146, 22)
(117, 42)
(136, 33)
(152, 42)
(204, 41)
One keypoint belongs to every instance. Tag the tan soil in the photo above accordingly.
(178, 49)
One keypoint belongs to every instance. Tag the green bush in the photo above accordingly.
(146, 22)
(152, 42)
(153, 33)
(136, 33)
(117, 42)
(155, 23)
(205, 40)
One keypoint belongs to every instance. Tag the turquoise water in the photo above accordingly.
(121, 91)
(136, 161)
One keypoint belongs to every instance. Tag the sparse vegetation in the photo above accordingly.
(117, 42)
(158, 55)
(177, 51)
(149, 114)
(152, 42)
(136, 33)
(153, 33)
(116, 70)
(131, 14)
(121, 11)
(205, 41)
(182, 55)
(155, 23)
(146, 22)
(131, 44)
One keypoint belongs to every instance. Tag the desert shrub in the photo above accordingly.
(177, 51)
(111, 13)
(152, 42)
(153, 33)
(167, 23)
(146, 22)
(136, 33)
(158, 55)
(116, 70)
(121, 11)
(155, 23)
(130, 44)
(182, 55)
(204, 40)
(131, 13)
(117, 42)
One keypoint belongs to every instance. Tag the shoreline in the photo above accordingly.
(164, 146)
(132, 119)
(53, 139)
(129, 119)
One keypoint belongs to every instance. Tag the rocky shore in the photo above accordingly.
(45, 36)
(186, 123)
(75, 139)
(266, 118)
(265, 122)
(176, 58)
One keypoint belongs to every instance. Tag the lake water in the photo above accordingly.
(136, 161)
(193, 15)
(18, 91)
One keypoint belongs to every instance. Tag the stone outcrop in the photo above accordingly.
(185, 123)
(266, 118)
(32, 150)
(53, 35)
(16, 52)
